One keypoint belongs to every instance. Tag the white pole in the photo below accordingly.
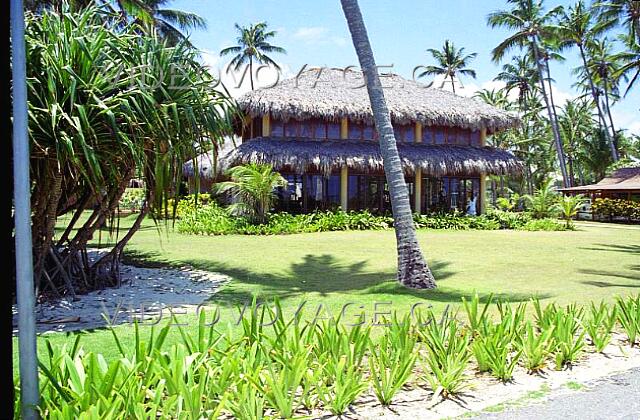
(24, 258)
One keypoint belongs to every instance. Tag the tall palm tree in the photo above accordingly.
(531, 24)
(577, 28)
(252, 45)
(520, 74)
(630, 59)
(451, 62)
(576, 123)
(413, 270)
(170, 24)
(621, 12)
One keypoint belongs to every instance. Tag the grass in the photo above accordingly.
(352, 272)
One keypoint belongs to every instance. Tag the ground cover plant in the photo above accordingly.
(289, 367)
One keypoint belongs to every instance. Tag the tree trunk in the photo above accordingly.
(552, 120)
(251, 71)
(453, 85)
(413, 270)
(594, 93)
(613, 129)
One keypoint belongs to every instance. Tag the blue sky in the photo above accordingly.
(314, 32)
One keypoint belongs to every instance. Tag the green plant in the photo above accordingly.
(543, 224)
(477, 320)
(495, 352)
(629, 316)
(536, 347)
(611, 207)
(570, 206)
(600, 324)
(447, 354)
(391, 360)
(568, 335)
(544, 202)
(253, 187)
(347, 384)
(132, 199)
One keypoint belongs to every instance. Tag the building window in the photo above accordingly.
(450, 194)
(427, 135)
(439, 135)
(475, 138)
(291, 128)
(333, 131)
(277, 128)
(369, 132)
(355, 130)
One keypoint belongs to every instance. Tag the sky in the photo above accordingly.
(314, 32)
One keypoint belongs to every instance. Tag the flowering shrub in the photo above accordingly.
(610, 207)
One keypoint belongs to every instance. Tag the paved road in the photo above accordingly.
(616, 397)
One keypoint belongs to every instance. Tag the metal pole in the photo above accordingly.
(24, 257)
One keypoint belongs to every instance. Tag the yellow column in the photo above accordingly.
(344, 128)
(483, 177)
(344, 188)
(418, 132)
(417, 192)
(266, 125)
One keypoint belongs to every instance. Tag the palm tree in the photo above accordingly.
(576, 123)
(577, 28)
(520, 74)
(570, 206)
(450, 63)
(170, 24)
(621, 12)
(253, 188)
(253, 45)
(532, 25)
(413, 270)
(631, 59)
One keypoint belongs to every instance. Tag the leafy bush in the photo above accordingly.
(544, 224)
(544, 202)
(277, 367)
(132, 199)
(610, 207)
(508, 219)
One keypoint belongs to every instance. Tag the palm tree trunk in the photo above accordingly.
(552, 120)
(594, 93)
(453, 85)
(616, 156)
(251, 71)
(413, 270)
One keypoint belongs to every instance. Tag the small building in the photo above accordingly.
(317, 130)
(622, 184)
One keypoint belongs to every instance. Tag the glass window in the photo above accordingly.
(291, 128)
(409, 133)
(277, 128)
(333, 130)
(355, 131)
(368, 132)
(398, 132)
(306, 129)
(439, 135)
(464, 137)
(320, 129)
(475, 138)
(452, 135)
(427, 135)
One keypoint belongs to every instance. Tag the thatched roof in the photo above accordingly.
(209, 164)
(335, 93)
(624, 179)
(301, 155)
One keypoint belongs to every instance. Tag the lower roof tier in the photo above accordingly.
(304, 155)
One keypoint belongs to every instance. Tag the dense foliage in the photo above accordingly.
(287, 368)
(211, 219)
(610, 208)
(106, 104)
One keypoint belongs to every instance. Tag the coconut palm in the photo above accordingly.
(152, 15)
(413, 270)
(253, 189)
(570, 206)
(578, 28)
(630, 59)
(621, 12)
(519, 74)
(532, 25)
(253, 46)
(576, 123)
(451, 62)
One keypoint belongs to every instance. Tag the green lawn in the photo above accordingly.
(331, 270)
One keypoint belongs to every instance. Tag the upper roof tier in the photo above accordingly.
(336, 93)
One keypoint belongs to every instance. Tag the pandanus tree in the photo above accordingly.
(105, 105)
(577, 27)
(413, 270)
(451, 62)
(531, 24)
(252, 46)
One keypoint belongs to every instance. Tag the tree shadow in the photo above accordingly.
(632, 249)
(319, 274)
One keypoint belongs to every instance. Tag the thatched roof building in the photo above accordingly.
(622, 183)
(334, 94)
(317, 130)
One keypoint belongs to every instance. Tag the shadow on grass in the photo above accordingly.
(609, 274)
(631, 249)
(318, 274)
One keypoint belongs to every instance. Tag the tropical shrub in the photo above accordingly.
(544, 224)
(544, 202)
(508, 219)
(253, 190)
(610, 208)
(569, 207)
(132, 199)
